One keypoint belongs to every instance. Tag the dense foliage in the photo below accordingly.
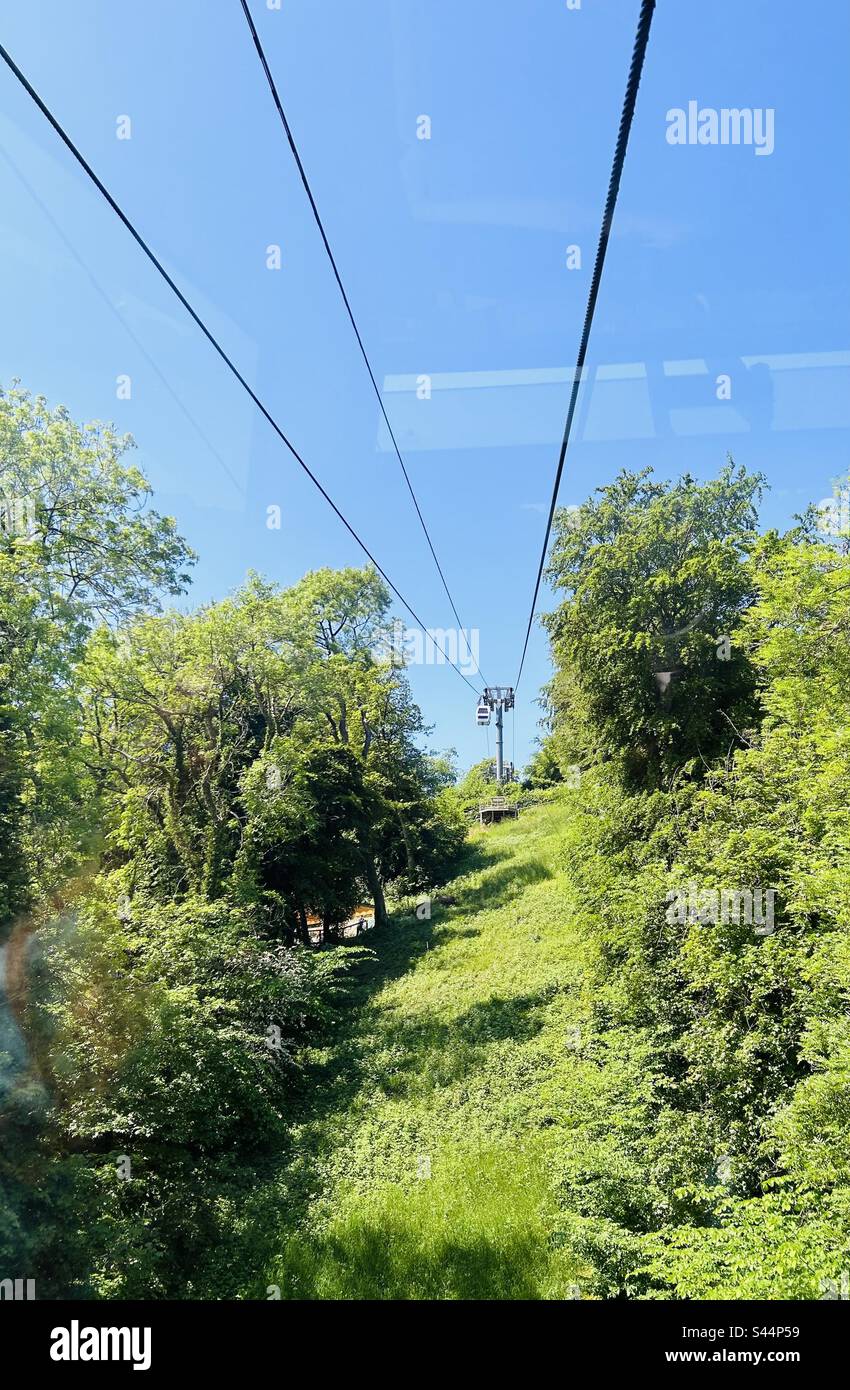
(565, 1084)
(612, 1059)
(732, 781)
(181, 793)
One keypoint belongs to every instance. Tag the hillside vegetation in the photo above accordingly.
(614, 1060)
(624, 1056)
(495, 1117)
(444, 1098)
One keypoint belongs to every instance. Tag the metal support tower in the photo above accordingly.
(499, 698)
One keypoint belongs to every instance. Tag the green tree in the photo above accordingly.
(655, 577)
(543, 769)
(78, 545)
(339, 625)
(186, 715)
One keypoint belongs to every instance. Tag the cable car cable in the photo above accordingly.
(308, 190)
(116, 313)
(638, 54)
(208, 334)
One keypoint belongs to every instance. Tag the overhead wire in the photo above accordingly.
(210, 336)
(134, 338)
(317, 216)
(632, 84)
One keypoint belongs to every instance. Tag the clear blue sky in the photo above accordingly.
(454, 254)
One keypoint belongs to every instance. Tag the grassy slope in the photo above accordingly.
(460, 1052)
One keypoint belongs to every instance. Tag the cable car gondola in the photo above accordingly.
(483, 712)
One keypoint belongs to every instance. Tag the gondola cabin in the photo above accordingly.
(483, 713)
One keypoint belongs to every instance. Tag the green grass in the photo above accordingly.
(458, 1057)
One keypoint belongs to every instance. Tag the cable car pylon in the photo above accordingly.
(498, 698)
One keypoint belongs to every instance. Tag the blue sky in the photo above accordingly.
(453, 251)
